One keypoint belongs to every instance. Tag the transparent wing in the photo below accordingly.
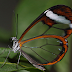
(45, 39)
(45, 49)
(59, 25)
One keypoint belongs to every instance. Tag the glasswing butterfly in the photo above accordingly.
(47, 49)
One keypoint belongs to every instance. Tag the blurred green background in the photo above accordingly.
(28, 11)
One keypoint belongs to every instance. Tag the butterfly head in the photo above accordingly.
(15, 46)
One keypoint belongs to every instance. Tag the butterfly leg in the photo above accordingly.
(6, 58)
(18, 60)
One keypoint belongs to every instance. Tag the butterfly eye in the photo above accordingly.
(15, 42)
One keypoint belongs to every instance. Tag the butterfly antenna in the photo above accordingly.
(16, 24)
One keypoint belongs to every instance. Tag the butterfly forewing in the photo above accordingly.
(59, 14)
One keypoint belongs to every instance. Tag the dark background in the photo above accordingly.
(6, 20)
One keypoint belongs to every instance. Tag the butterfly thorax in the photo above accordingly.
(15, 46)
